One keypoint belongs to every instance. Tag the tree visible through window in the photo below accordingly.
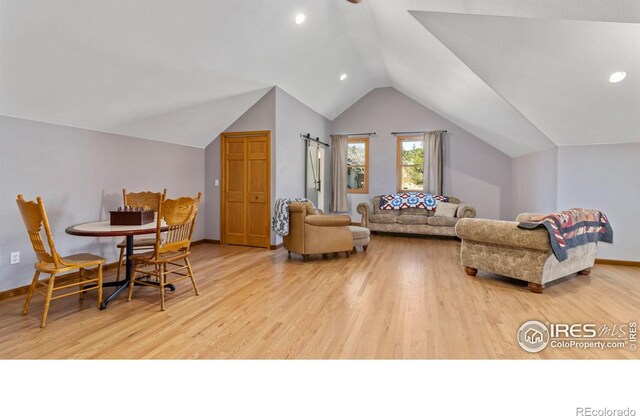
(410, 163)
(358, 165)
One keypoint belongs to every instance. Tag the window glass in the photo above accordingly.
(358, 165)
(410, 164)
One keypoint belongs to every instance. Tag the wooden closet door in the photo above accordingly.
(234, 178)
(258, 188)
(246, 170)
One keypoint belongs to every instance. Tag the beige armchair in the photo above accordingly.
(311, 233)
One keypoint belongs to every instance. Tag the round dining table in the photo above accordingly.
(105, 229)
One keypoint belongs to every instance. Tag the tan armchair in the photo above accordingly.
(311, 233)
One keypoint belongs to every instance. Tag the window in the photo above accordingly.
(410, 163)
(358, 165)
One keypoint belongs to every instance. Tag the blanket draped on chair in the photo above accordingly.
(572, 228)
(280, 219)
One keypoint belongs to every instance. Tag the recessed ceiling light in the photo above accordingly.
(343, 77)
(617, 77)
(300, 18)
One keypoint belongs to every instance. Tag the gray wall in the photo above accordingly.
(605, 177)
(80, 175)
(595, 176)
(534, 181)
(286, 118)
(261, 116)
(473, 171)
(292, 119)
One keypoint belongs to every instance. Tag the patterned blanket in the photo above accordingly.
(411, 200)
(280, 219)
(572, 228)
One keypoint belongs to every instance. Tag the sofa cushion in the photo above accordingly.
(416, 211)
(453, 200)
(442, 221)
(384, 218)
(445, 209)
(412, 219)
(376, 206)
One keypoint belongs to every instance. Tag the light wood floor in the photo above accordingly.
(404, 298)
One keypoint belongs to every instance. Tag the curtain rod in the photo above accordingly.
(317, 139)
(355, 134)
(415, 132)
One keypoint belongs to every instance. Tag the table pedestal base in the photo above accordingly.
(124, 284)
(121, 286)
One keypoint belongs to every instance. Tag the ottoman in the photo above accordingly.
(360, 237)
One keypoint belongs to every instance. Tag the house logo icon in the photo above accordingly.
(533, 336)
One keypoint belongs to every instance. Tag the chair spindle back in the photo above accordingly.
(144, 199)
(35, 217)
(180, 217)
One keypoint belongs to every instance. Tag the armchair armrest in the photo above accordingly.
(328, 220)
(465, 211)
(301, 207)
(365, 209)
(502, 233)
(296, 207)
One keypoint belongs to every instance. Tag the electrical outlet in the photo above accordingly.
(15, 257)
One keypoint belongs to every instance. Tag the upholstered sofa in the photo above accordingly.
(311, 233)
(502, 248)
(411, 220)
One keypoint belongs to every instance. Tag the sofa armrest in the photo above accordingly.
(328, 220)
(502, 233)
(465, 211)
(526, 216)
(365, 209)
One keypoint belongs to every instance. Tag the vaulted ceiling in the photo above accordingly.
(523, 75)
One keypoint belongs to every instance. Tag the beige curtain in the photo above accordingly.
(339, 174)
(433, 162)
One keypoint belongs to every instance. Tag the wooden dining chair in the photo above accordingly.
(170, 255)
(139, 199)
(50, 262)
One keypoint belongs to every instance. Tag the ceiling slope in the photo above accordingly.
(135, 68)
(553, 72)
(184, 70)
(193, 125)
(621, 11)
(421, 67)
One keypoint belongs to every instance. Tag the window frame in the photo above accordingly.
(364, 140)
(399, 165)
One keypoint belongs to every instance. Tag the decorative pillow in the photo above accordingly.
(445, 209)
(410, 200)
